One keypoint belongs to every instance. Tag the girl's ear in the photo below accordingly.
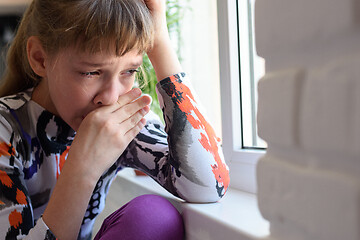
(36, 56)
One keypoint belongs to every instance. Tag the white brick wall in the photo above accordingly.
(309, 114)
(288, 26)
(278, 93)
(308, 203)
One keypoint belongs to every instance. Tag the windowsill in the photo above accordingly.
(236, 216)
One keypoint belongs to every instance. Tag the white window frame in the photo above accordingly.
(242, 162)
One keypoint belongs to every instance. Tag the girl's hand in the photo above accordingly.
(157, 9)
(156, 6)
(105, 133)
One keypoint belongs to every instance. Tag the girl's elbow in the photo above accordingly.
(208, 194)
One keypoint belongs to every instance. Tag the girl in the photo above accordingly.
(71, 119)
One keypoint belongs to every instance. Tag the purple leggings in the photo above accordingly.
(145, 217)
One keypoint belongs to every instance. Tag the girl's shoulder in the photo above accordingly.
(10, 106)
(12, 135)
(15, 101)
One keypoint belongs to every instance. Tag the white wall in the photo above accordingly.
(309, 114)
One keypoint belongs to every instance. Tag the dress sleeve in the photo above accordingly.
(185, 157)
(16, 213)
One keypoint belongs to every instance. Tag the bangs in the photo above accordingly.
(105, 25)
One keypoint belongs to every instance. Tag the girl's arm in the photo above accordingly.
(16, 212)
(112, 127)
(187, 159)
(162, 55)
(101, 138)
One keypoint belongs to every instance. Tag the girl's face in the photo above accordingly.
(77, 83)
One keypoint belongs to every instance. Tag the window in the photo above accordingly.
(240, 70)
(252, 68)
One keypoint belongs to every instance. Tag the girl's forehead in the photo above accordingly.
(107, 46)
(74, 55)
(101, 48)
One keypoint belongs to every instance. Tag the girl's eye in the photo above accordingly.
(90, 74)
(131, 72)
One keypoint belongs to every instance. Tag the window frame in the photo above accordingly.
(242, 162)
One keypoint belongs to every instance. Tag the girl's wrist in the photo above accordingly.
(87, 175)
(57, 219)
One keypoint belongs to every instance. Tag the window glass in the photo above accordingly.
(252, 68)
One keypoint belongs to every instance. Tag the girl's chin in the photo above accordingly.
(76, 124)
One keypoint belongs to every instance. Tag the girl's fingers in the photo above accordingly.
(136, 118)
(130, 109)
(134, 124)
(128, 97)
(124, 99)
(136, 129)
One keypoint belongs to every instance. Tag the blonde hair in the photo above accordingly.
(90, 25)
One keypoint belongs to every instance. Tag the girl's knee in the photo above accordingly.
(153, 205)
(158, 217)
(146, 217)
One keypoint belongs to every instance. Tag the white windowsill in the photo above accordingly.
(236, 216)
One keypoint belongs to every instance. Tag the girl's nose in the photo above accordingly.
(108, 94)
